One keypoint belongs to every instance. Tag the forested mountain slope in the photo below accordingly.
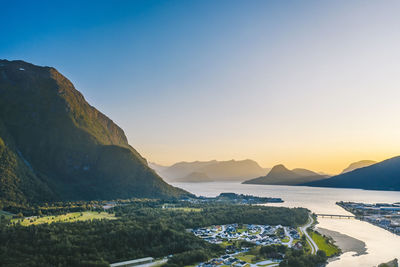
(55, 146)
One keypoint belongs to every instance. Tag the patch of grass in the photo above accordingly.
(224, 244)
(69, 217)
(246, 257)
(324, 244)
(285, 240)
(253, 256)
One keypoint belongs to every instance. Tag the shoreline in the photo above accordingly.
(366, 218)
(345, 243)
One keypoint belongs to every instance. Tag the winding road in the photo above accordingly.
(310, 241)
(290, 242)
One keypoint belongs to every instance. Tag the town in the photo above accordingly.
(384, 215)
(239, 238)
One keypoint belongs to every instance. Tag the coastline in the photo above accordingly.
(345, 243)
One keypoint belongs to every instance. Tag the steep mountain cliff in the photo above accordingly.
(55, 146)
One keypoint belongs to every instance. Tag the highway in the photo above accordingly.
(310, 241)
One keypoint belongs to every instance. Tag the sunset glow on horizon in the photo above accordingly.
(306, 84)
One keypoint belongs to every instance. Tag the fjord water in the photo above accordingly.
(381, 245)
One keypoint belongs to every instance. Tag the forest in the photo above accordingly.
(143, 228)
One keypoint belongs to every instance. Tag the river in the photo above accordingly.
(381, 245)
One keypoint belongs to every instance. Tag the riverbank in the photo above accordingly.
(381, 245)
(345, 243)
(384, 215)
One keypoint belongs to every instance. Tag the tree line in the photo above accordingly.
(143, 229)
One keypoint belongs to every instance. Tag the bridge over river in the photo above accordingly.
(336, 216)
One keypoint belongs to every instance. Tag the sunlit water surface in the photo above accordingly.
(382, 245)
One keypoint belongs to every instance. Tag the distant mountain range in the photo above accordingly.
(195, 177)
(245, 170)
(383, 175)
(359, 164)
(55, 146)
(280, 175)
(206, 171)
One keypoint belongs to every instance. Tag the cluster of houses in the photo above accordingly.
(363, 209)
(389, 223)
(257, 234)
(234, 260)
(223, 260)
(294, 233)
(383, 215)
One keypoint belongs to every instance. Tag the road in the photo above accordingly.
(290, 243)
(155, 263)
(267, 263)
(310, 241)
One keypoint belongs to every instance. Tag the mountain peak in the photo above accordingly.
(359, 164)
(279, 168)
(64, 145)
(280, 175)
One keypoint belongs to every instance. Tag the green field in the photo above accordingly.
(285, 240)
(224, 244)
(246, 257)
(69, 217)
(323, 244)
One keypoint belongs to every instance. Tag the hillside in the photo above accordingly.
(359, 164)
(384, 175)
(280, 175)
(232, 170)
(55, 146)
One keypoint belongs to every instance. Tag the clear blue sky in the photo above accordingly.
(306, 83)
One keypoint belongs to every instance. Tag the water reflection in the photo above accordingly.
(381, 245)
